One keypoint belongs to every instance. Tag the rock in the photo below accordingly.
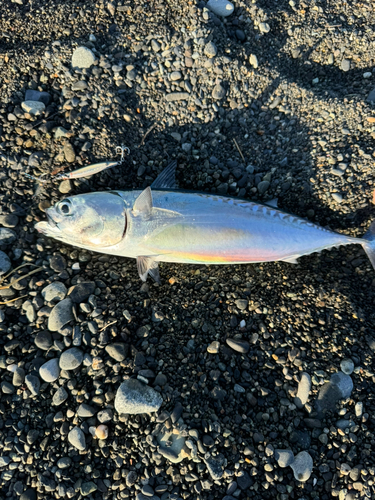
(77, 438)
(50, 371)
(210, 49)
(347, 366)
(69, 153)
(302, 466)
(81, 292)
(81, 85)
(101, 432)
(29, 494)
(58, 263)
(7, 236)
(264, 27)
(214, 347)
(35, 108)
(54, 291)
(218, 92)
(82, 58)
(7, 388)
(43, 340)
(171, 444)
(71, 359)
(263, 186)
(238, 345)
(65, 186)
(5, 263)
(241, 304)
(177, 96)
(221, 8)
(85, 411)
(9, 220)
(155, 46)
(105, 416)
(345, 65)
(18, 376)
(253, 61)
(344, 384)
(371, 96)
(60, 133)
(60, 315)
(64, 462)
(36, 95)
(304, 388)
(215, 468)
(337, 197)
(244, 481)
(133, 397)
(117, 350)
(284, 458)
(175, 75)
(60, 396)
(33, 384)
(88, 488)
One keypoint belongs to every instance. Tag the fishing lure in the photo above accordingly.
(95, 168)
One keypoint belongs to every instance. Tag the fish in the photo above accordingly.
(164, 224)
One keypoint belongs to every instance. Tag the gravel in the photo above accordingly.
(256, 105)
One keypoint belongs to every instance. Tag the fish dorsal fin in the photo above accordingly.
(167, 179)
(272, 203)
(143, 204)
(148, 265)
(291, 260)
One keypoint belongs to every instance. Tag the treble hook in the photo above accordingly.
(122, 149)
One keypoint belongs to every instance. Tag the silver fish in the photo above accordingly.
(162, 224)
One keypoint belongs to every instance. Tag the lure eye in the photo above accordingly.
(65, 207)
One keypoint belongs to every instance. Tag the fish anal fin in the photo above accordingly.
(167, 178)
(148, 265)
(143, 204)
(290, 260)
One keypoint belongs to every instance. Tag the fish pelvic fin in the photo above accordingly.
(368, 243)
(148, 266)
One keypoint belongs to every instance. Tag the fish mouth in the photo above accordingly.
(49, 227)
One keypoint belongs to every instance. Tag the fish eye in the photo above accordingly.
(65, 207)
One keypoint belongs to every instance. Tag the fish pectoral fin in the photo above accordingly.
(143, 204)
(291, 260)
(148, 265)
(167, 178)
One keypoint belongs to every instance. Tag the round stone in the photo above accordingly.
(33, 384)
(5, 263)
(50, 371)
(303, 391)
(60, 315)
(60, 396)
(54, 291)
(284, 457)
(33, 107)
(239, 345)
(71, 359)
(302, 466)
(347, 366)
(221, 8)
(77, 438)
(218, 92)
(82, 58)
(210, 49)
(43, 340)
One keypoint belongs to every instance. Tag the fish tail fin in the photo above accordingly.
(368, 243)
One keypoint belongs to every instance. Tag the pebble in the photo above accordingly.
(9, 220)
(239, 345)
(65, 186)
(83, 58)
(171, 445)
(71, 359)
(177, 96)
(303, 392)
(50, 371)
(215, 468)
(284, 458)
(60, 133)
(33, 384)
(101, 432)
(221, 8)
(36, 95)
(302, 466)
(35, 108)
(4, 461)
(29, 494)
(214, 347)
(7, 236)
(210, 49)
(43, 340)
(64, 462)
(5, 263)
(117, 350)
(133, 397)
(347, 366)
(85, 411)
(81, 292)
(337, 197)
(60, 396)
(76, 438)
(218, 92)
(345, 65)
(88, 488)
(69, 153)
(60, 315)
(55, 291)
(18, 376)
(253, 61)
(264, 27)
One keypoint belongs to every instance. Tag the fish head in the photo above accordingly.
(92, 221)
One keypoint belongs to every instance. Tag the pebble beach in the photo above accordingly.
(220, 382)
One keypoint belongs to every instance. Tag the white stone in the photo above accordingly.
(33, 107)
(347, 366)
(221, 7)
(83, 58)
(302, 466)
(50, 371)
